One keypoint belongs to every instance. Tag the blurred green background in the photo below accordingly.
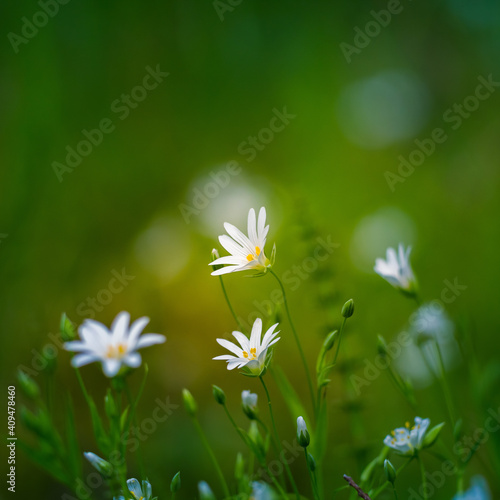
(324, 175)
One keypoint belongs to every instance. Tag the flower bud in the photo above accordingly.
(390, 471)
(175, 484)
(348, 309)
(189, 403)
(215, 256)
(329, 342)
(219, 395)
(205, 492)
(28, 385)
(66, 328)
(103, 467)
(302, 433)
(381, 346)
(249, 404)
(432, 435)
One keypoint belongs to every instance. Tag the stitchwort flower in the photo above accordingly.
(113, 348)
(138, 493)
(247, 252)
(478, 491)
(397, 271)
(408, 439)
(251, 356)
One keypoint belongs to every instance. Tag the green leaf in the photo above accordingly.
(102, 438)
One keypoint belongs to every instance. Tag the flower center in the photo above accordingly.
(251, 256)
(253, 354)
(116, 351)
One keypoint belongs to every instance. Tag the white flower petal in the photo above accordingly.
(239, 237)
(256, 333)
(111, 367)
(119, 327)
(232, 247)
(252, 227)
(135, 330)
(231, 347)
(228, 259)
(226, 270)
(133, 359)
(76, 345)
(243, 340)
(225, 357)
(270, 334)
(135, 488)
(83, 359)
(150, 339)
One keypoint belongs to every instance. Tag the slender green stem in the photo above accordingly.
(340, 338)
(314, 485)
(444, 384)
(239, 431)
(424, 479)
(205, 442)
(288, 471)
(238, 322)
(297, 341)
(395, 492)
(140, 456)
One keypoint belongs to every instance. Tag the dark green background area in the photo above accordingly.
(121, 206)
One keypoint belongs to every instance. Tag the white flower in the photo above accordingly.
(114, 347)
(138, 493)
(247, 252)
(105, 468)
(406, 440)
(249, 404)
(249, 399)
(262, 491)
(396, 269)
(252, 353)
(302, 433)
(478, 491)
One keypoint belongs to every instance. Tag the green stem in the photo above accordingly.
(229, 304)
(424, 480)
(297, 341)
(395, 492)
(140, 456)
(273, 441)
(212, 456)
(311, 476)
(288, 471)
(444, 385)
(239, 431)
(340, 338)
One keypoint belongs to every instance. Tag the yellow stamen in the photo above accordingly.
(245, 354)
(257, 251)
(249, 257)
(407, 425)
(393, 433)
(253, 350)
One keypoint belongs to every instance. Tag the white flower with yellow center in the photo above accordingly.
(113, 348)
(396, 269)
(251, 353)
(247, 252)
(408, 439)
